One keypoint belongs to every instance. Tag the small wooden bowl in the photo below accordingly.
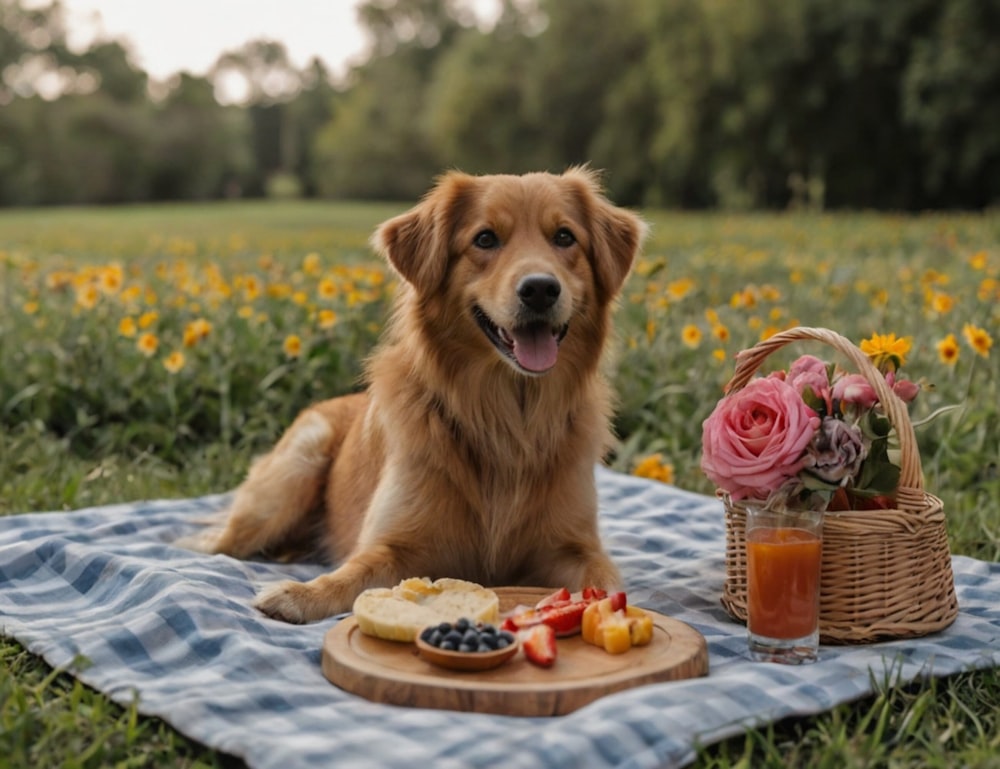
(469, 661)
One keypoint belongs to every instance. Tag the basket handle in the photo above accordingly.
(910, 495)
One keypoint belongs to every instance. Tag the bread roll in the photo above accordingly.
(401, 612)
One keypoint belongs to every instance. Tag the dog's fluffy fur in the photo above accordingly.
(472, 452)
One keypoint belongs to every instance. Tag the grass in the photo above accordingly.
(118, 382)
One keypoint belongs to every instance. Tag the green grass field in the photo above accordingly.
(150, 351)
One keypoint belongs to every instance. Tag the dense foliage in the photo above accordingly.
(818, 103)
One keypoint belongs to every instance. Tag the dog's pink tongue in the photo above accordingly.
(536, 349)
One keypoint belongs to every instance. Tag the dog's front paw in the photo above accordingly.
(287, 601)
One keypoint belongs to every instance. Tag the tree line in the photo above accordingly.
(687, 103)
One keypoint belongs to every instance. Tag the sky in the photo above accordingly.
(167, 36)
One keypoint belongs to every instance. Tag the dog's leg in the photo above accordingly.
(332, 593)
(280, 490)
(576, 570)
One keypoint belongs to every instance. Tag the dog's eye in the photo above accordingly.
(564, 238)
(486, 239)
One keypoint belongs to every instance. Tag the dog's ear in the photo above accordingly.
(418, 243)
(616, 233)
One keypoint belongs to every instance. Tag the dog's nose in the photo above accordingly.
(538, 291)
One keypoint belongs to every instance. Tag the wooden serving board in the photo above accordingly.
(392, 672)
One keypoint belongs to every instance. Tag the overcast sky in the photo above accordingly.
(167, 36)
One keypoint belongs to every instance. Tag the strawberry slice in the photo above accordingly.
(592, 593)
(564, 618)
(539, 644)
(562, 595)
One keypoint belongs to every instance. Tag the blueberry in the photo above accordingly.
(454, 637)
(470, 636)
(435, 637)
(444, 627)
(488, 630)
(487, 640)
(464, 647)
(463, 624)
(447, 646)
(502, 642)
(425, 635)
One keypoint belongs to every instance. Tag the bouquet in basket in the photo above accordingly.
(813, 436)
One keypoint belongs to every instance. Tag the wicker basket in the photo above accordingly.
(886, 573)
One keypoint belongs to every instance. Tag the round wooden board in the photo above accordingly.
(391, 672)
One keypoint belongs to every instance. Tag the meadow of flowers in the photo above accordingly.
(159, 330)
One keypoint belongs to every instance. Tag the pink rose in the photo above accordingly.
(854, 389)
(904, 388)
(755, 439)
(806, 363)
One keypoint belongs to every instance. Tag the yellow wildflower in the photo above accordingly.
(195, 331)
(978, 261)
(654, 468)
(174, 362)
(691, 336)
(719, 354)
(942, 303)
(311, 264)
(30, 307)
(251, 288)
(770, 293)
(292, 346)
(886, 351)
(327, 318)
(948, 350)
(245, 312)
(127, 327)
(720, 332)
(147, 319)
(111, 279)
(979, 339)
(327, 289)
(279, 290)
(680, 288)
(300, 297)
(87, 295)
(880, 298)
(147, 344)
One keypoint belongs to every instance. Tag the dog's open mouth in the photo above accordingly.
(532, 347)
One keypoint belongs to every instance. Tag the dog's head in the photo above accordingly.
(531, 260)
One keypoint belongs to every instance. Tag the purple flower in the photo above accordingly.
(836, 451)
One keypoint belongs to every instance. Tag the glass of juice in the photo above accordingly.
(784, 549)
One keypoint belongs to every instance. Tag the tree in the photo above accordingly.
(375, 145)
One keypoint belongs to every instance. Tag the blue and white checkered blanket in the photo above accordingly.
(175, 629)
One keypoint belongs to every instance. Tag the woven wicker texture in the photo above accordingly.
(886, 573)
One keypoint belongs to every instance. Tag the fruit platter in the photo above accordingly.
(538, 653)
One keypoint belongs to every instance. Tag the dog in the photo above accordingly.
(471, 452)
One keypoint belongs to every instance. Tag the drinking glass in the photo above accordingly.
(784, 551)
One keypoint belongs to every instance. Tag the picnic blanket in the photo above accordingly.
(175, 629)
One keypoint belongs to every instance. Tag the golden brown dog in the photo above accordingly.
(472, 452)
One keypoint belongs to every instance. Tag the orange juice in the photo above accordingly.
(783, 567)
